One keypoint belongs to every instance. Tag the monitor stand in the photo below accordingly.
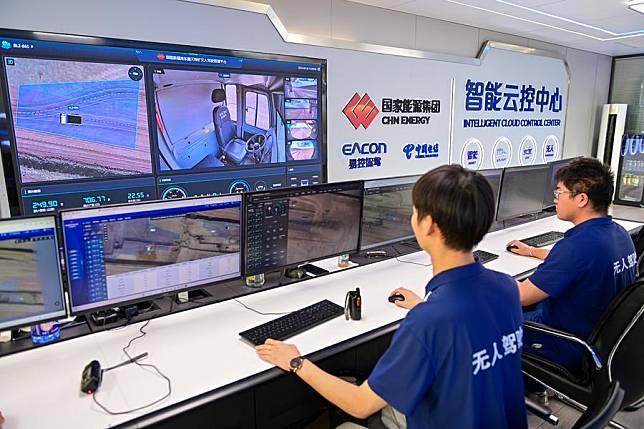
(295, 273)
(313, 269)
(191, 295)
(113, 317)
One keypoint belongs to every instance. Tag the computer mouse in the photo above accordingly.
(510, 247)
(396, 297)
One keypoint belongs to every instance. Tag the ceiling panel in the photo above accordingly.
(622, 23)
(585, 10)
(633, 43)
(387, 4)
(533, 3)
(612, 15)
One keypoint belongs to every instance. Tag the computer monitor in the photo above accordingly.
(123, 254)
(287, 227)
(386, 212)
(95, 121)
(493, 177)
(555, 166)
(31, 287)
(522, 190)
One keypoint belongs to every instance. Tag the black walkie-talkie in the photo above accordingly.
(353, 305)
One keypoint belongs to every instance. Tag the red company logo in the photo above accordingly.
(360, 111)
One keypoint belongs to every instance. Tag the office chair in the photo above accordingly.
(638, 240)
(614, 352)
(599, 415)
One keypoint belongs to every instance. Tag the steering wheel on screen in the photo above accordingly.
(255, 143)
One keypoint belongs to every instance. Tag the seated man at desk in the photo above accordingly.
(585, 270)
(455, 359)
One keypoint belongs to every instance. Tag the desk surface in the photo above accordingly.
(40, 387)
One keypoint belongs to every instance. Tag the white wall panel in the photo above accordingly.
(360, 23)
(485, 35)
(604, 68)
(446, 37)
(579, 126)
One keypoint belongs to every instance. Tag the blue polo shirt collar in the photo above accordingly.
(607, 220)
(454, 275)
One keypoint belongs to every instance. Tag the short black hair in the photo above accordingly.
(460, 201)
(591, 177)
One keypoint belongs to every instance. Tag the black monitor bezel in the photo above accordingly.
(390, 242)
(245, 205)
(152, 296)
(63, 289)
(514, 169)
(13, 193)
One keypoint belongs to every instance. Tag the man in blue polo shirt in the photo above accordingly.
(455, 359)
(584, 271)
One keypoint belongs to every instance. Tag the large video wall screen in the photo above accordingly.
(104, 121)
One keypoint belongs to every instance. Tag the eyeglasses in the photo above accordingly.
(557, 192)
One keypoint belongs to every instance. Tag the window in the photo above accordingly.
(257, 112)
(231, 101)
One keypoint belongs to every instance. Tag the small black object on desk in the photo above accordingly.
(353, 305)
(510, 247)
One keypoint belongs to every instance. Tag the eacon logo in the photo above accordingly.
(360, 111)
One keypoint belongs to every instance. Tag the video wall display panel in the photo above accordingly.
(106, 121)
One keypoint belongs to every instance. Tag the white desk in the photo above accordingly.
(199, 349)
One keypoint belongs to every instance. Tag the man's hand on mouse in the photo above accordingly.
(277, 353)
(411, 299)
(521, 248)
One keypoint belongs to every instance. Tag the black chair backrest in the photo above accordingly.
(638, 241)
(619, 340)
(600, 413)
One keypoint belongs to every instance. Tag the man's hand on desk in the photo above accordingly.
(525, 250)
(411, 299)
(277, 353)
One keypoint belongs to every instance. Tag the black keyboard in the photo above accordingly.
(293, 323)
(483, 257)
(543, 239)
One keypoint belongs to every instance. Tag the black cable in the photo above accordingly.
(259, 312)
(413, 263)
(142, 365)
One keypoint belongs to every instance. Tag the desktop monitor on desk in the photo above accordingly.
(493, 176)
(522, 191)
(31, 287)
(125, 254)
(494, 179)
(386, 212)
(287, 227)
(555, 166)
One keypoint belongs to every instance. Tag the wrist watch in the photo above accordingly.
(296, 363)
